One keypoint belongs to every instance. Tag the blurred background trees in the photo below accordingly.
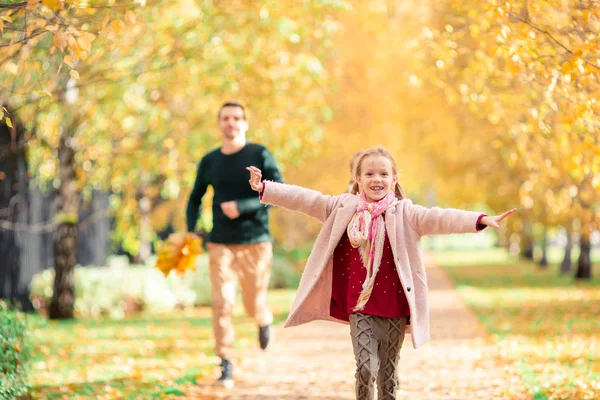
(108, 107)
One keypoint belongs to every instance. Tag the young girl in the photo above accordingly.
(366, 267)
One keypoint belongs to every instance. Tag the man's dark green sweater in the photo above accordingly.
(228, 176)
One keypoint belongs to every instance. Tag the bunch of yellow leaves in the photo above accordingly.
(178, 253)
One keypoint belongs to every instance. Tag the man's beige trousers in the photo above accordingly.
(251, 265)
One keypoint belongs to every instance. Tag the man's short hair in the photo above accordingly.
(232, 104)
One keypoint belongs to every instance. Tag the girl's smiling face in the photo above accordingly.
(376, 177)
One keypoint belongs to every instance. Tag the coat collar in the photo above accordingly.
(345, 213)
(349, 201)
(390, 227)
(342, 217)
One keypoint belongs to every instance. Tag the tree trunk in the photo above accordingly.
(565, 266)
(544, 259)
(12, 158)
(65, 245)
(527, 246)
(145, 230)
(584, 266)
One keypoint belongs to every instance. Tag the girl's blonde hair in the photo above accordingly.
(353, 161)
(379, 151)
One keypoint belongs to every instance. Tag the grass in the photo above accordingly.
(496, 255)
(149, 356)
(545, 323)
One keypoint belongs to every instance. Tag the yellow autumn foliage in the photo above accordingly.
(178, 253)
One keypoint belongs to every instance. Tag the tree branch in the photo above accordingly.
(44, 227)
(41, 31)
(552, 38)
(15, 5)
(49, 226)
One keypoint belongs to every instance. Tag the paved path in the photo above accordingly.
(315, 361)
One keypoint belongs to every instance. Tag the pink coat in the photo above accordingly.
(405, 224)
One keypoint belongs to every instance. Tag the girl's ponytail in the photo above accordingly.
(399, 191)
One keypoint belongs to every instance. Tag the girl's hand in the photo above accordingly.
(255, 178)
(493, 221)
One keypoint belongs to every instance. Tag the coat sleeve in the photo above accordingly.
(441, 221)
(310, 202)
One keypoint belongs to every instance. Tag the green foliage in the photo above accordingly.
(481, 241)
(66, 218)
(284, 275)
(297, 255)
(14, 354)
(116, 291)
(497, 255)
(121, 65)
(120, 290)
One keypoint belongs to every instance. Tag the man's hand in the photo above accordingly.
(230, 209)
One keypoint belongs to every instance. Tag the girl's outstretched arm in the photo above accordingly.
(439, 221)
(310, 202)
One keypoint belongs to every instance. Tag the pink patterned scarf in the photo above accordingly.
(366, 232)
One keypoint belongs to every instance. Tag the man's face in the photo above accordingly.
(232, 122)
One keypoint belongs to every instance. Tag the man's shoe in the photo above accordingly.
(226, 378)
(264, 336)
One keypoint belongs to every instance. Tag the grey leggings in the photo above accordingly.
(377, 342)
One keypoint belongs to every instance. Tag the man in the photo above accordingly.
(239, 245)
